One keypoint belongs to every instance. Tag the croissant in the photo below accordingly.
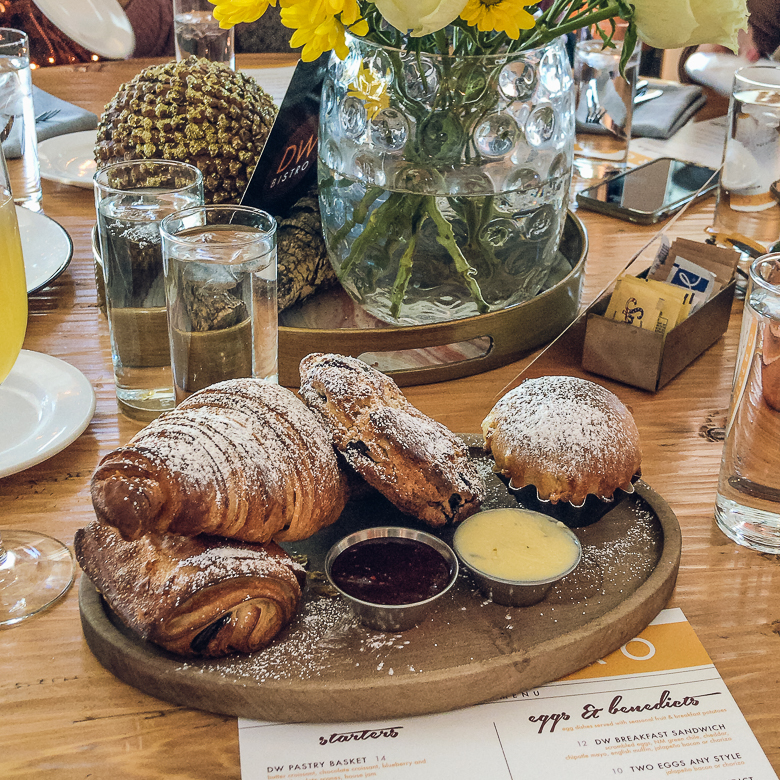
(241, 459)
(200, 596)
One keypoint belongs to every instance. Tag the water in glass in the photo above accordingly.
(748, 501)
(17, 120)
(221, 292)
(198, 34)
(605, 108)
(129, 226)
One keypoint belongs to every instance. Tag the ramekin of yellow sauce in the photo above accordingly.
(516, 555)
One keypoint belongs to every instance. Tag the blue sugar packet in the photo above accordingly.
(693, 277)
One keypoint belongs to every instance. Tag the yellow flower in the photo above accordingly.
(371, 89)
(320, 25)
(230, 12)
(507, 16)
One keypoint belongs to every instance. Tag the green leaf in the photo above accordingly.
(442, 137)
(629, 43)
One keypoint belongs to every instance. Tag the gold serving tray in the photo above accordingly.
(327, 667)
(507, 335)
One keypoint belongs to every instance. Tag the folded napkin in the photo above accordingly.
(63, 118)
(660, 117)
(663, 116)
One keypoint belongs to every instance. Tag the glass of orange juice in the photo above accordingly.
(13, 291)
(35, 569)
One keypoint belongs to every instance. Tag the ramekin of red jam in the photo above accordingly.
(390, 576)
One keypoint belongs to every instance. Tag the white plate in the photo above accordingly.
(69, 158)
(45, 405)
(101, 26)
(273, 80)
(46, 247)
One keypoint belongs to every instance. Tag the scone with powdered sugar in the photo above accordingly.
(415, 462)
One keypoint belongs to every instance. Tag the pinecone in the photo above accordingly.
(194, 111)
(303, 261)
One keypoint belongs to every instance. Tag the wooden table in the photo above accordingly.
(64, 716)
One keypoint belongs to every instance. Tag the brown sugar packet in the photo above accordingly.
(722, 261)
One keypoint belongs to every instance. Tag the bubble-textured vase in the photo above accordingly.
(444, 180)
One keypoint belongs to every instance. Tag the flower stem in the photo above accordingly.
(543, 34)
(358, 214)
(446, 238)
(376, 228)
(405, 263)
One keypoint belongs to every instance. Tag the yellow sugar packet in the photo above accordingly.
(670, 312)
(649, 304)
(678, 301)
(633, 302)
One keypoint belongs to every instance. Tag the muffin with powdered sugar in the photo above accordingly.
(567, 437)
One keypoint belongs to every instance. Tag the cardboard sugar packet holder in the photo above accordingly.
(648, 359)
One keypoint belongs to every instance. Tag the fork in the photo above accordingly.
(595, 111)
(43, 117)
(47, 115)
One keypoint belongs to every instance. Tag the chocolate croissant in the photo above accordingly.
(200, 596)
(242, 459)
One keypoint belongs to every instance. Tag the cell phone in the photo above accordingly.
(650, 192)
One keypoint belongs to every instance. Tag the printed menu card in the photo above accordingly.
(655, 708)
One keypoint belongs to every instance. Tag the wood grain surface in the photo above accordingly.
(65, 716)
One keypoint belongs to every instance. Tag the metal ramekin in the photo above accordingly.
(516, 593)
(391, 617)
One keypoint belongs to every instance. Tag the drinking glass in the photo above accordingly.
(220, 287)
(747, 507)
(131, 199)
(35, 570)
(17, 119)
(749, 188)
(604, 105)
(198, 33)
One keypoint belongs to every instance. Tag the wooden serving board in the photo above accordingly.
(328, 667)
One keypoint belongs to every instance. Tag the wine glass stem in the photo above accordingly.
(35, 572)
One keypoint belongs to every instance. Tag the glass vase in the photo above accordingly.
(444, 180)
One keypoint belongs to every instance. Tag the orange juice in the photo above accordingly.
(13, 287)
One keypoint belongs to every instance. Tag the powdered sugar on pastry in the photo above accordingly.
(216, 563)
(201, 596)
(242, 459)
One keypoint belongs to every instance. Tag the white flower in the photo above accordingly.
(673, 24)
(420, 17)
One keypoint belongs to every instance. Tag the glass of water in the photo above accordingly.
(750, 180)
(747, 508)
(220, 287)
(17, 119)
(604, 105)
(198, 33)
(131, 199)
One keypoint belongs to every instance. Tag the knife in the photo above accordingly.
(648, 94)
